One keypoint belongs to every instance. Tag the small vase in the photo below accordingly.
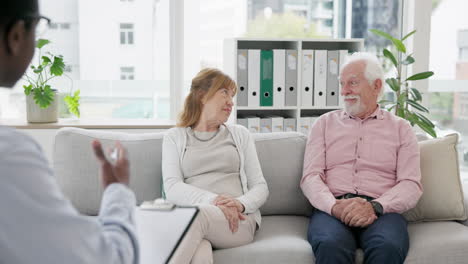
(36, 114)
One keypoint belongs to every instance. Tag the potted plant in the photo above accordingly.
(406, 103)
(41, 98)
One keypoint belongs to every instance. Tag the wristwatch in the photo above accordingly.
(378, 209)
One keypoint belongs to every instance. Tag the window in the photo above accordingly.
(127, 73)
(448, 90)
(207, 23)
(126, 33)
(89, 40)
(97, 44)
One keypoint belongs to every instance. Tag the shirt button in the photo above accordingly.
(358, 157)
(360, 138)
(355, 171)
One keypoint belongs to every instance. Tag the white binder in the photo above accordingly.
(307, 78)
(254, 78)
(265, 125)
(253, 124)
(342, 59)
(277, 124)
(242, 73)
(332, 78)
(320, 78)
(304, 125)
(279, 57)
(289, 124)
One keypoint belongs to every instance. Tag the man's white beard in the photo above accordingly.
(355, 108)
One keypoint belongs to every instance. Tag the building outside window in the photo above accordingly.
(127, 73)
(126, 33)
(447, 97)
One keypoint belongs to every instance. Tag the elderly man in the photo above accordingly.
(361, 172)
(38, 224)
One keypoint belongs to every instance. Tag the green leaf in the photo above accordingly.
(45, 60)
(420, 76)
(382, 102)
(425, 119)
(407, 35)
(43, 97)
(399, 45)
(411, 117)
(57, 66)
(390, 56)
(381, 33)
(409, 60)
(73, 103)
(38, 70)
(417, 106)
(416, 94)
(393, 83)
(41, 43)
(424, 126)
(391, 107)
(27, 89)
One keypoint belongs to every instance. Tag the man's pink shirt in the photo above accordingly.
(377, 157)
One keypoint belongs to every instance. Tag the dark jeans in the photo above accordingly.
(384, 241)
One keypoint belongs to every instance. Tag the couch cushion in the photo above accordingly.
(437, 242)
(281, 239)
(442, 197)
(77, 169)
(281, 157)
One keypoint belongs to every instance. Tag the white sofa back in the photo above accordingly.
(77, 171)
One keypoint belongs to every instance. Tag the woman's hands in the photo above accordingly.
(232, 210)
(229, 201)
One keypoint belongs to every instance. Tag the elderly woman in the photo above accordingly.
(215, 166)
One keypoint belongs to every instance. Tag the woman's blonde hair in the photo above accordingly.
(205, 84)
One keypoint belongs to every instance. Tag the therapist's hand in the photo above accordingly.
(113, 173)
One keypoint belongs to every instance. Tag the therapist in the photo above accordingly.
(38, 224)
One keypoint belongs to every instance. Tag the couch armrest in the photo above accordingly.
(77, 170)
(465, 194)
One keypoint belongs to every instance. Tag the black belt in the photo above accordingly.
(353, 195)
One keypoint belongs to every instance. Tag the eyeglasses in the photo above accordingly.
(42, 26)
(43, 23)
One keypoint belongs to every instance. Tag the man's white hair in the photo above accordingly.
(373, 70)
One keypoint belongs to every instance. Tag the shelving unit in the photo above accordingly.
(231, 47)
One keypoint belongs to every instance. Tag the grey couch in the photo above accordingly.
(282, 237)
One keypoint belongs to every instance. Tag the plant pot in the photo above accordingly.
(36, 114)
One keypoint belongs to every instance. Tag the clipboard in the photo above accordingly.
(160, 232)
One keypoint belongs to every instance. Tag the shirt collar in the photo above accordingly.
(377, 114)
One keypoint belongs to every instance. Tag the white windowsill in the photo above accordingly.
(92, 123)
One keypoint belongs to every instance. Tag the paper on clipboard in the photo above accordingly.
(161, 231)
